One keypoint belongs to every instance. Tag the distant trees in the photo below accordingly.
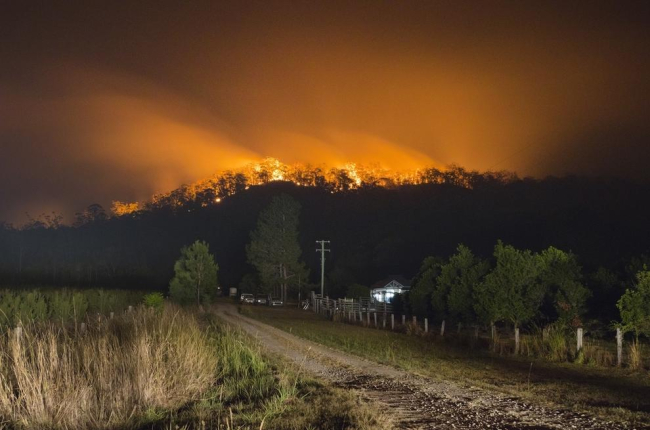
(93, 213)
(248, 284)
(519, 287)
(274, 249)
(195, 275)
(375, 231)
(357, 290)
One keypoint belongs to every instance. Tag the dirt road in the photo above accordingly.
(414, 402)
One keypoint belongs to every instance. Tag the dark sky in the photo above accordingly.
(121, 99)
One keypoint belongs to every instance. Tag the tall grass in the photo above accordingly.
(550, 342)
(635, 355)
(111, 375)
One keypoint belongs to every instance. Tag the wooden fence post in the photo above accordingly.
(368, 316)
(517, 341)
(392, 321)
(426, 325)
(112, 315)
(19, 332)
(494, 331)
(130, 309)
(619, 347)
(403, 319)
(579, 339)
(415, 320)
(375, 314)
(83, 328)
(442, 328)
(383, 321)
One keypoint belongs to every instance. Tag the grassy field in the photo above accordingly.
(159, 369)
(617, 394)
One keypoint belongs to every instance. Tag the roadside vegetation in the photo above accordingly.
(114, 373)
(158, 366)
(541, 298)
(42, 304)
(617, 394)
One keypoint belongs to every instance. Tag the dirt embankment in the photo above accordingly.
(414, 402)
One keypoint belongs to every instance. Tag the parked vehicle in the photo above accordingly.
(275, 302)
(261, 299)
(247, 299)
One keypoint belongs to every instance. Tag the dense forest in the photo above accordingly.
(376, 228)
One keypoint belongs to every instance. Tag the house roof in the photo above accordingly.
(397, 278)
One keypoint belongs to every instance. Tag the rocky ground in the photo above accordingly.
(413, 402)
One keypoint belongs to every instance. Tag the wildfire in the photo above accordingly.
(349, 177)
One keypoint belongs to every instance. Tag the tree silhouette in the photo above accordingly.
(274, 249)
(561, 277)
(511, 291)
(195, 275)
(424, 284)
(459, 277)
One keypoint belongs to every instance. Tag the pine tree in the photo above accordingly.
(195, 275)
(274, 249)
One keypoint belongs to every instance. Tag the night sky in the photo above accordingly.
(121, 99)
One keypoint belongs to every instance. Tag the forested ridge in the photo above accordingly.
(375, 231)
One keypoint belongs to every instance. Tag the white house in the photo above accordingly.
(385, 290)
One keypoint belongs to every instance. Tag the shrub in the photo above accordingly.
(154, 300)
(195, 276)
(634, 306)
(62, 304)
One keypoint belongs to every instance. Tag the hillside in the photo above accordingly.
(374, 231)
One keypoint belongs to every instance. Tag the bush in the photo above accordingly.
(154, 300)
(62, 304)
(356, 291)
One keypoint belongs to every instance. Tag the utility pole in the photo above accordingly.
(322, 251)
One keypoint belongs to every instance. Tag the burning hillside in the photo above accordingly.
(349, 177)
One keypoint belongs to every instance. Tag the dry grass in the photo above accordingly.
(635, 356)
(109, 376)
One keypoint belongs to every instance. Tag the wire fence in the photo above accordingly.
(605, 348)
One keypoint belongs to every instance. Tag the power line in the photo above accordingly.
(322, 251)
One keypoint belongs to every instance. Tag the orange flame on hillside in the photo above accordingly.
(349, 177)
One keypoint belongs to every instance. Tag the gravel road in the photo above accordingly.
(413, 402)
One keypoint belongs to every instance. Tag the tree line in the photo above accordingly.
(519, 287)
(374, 232)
